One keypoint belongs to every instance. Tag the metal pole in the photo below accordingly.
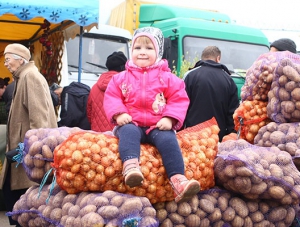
(80, 54)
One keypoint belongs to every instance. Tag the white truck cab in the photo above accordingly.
(97, 44)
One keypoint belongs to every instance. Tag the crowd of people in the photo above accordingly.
(121, 102)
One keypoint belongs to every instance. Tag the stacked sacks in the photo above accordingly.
(219, 208)
(84, 209)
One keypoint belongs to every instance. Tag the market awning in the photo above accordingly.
(21, 20)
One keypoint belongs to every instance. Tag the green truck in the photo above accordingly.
(188, 31)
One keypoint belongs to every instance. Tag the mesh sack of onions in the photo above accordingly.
(89, 161)
(284, 95)
(220, 207)
(257, 172)
(249, 117)
(85, 209)
(39, 145)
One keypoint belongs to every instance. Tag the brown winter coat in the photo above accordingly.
(31, 108)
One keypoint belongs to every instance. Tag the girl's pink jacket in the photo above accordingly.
(147, 94)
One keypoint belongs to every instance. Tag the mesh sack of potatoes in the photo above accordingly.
(284, 95)
(249, 117)
(39, 145)
(85, 209)
(221, 208)
(260, 76)
(89, 161)
(257, 172)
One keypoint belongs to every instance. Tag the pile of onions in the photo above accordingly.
(89, 161)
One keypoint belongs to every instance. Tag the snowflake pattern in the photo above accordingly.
(57, 12)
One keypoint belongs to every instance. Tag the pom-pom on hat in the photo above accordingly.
(116, 61)
(284, 44)
(18, 49)
(155, 35)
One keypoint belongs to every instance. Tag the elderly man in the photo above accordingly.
(31, 108)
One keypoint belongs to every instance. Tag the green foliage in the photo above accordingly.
(184, 66)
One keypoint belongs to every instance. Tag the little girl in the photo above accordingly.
(148, 103)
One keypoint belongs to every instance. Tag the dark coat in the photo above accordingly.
(212, 93)
(7, 95)
(73, 106)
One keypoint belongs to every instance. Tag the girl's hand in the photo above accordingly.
(164, 124)
(123, 119)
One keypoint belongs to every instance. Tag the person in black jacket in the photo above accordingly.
(73, 101)
(212, 92)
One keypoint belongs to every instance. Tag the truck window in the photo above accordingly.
(94, 53)
(235, 54)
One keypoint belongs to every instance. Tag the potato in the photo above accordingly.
(109, 194)
(69, 222)
(131, 205)
(47, 152)
(277, 137)
(57, 200)
(87, 209)
(243, 171)
(74, 211)
(276, 171)
(117, 200)
(215, 216)
(69, 198)
(242, 184)
(277, 214)
(291, 73)
(259, 188)
(167, 223)
(38, 161)
(276, 192)
(194, 203)
(184, 209)
(192, 220)
(230, 171)
(210, 197)
(35, 148)
(239, 206)
(65, 208)
(108, 212)
(28, 161)
(222, 203)
(296, 94)
(290, 216)
(100, 201)
(171, 206)
(229, 214)
(56, 214)
(176, 218)
(161, 215)
(37, 174)
(147, 221)
(92, 219)
(238, 221)
(206, 205)
(149, 211)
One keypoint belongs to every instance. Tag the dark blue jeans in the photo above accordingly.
(130, 139)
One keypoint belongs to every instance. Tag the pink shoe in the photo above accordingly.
(132, 173)
(184, 189)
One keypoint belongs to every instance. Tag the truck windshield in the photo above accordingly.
(235, 55)
(94, 53)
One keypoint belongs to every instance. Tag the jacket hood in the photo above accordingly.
(104, 79)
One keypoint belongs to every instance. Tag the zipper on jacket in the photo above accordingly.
(144, 97)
